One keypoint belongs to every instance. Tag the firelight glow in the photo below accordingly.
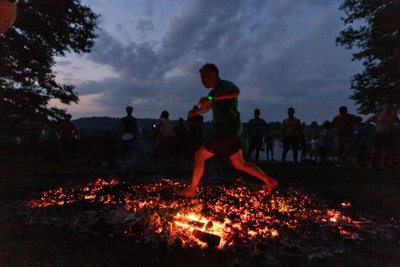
(223, 216)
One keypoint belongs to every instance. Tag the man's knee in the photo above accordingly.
(202, 154)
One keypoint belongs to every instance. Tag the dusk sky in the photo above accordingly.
(148, 52)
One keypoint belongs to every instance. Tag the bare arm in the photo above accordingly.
(235, 92)
(395, 118)
(372, 118)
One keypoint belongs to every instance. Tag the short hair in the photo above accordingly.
(129, 109)
(209, 68)
(68, 116)
(291, 109)
(164, 114)
(343, 109)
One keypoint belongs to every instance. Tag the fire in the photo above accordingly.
(221, 217)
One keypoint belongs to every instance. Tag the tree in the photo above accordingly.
(43, 30)
(373, 26)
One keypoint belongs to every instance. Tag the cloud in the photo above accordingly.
(280, 54)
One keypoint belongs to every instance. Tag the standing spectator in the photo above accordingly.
(257, 127)
(314, 151)
(31, 130)
(360, 142)
(68, 135)
(181, 133)
(384, 138)
(130, 131)
(303, 146)
(195, 131)
(323, 142)
(344, 124)
(269, 147)
(166, 135)
(291, 129)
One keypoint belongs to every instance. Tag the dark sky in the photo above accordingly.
(279, 53)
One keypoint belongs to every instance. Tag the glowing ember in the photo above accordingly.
(223, 216)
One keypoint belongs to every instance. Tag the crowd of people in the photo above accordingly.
(345, 139)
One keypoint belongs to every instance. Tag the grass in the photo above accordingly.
(374, 192)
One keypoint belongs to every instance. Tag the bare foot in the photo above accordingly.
(270, 186)
(186, 193)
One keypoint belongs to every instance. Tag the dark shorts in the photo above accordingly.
(224, 145)
(291, 142)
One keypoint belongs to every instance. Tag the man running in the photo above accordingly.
(226, 131)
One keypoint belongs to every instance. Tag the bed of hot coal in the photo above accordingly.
(234, 218)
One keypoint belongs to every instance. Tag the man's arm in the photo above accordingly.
(372, 118)
(299, 128)
(204, 107)
(75, 129)
(233, 93)
(120, 125)
(283, 127)
(395, 118)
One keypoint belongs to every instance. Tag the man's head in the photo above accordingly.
(257, 113)
(387, 107)
(209, 74)
(129, 110)
(164, 114)
(343, 110)
(290, 112)
(68, 117)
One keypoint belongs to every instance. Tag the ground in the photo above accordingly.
(373, 192)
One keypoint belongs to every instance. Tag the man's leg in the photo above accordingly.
(239, 163)
(295, 154)
(284, 155)
(286, 147)
(200, 158)
(257, 155)
(250, 150)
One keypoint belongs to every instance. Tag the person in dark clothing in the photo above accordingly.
(130, 131)
(195, 132)
(180, 145)
(68, 133)
(167, 138)
(257, 127)
(31, 130)
(269, 147)
(225, 134)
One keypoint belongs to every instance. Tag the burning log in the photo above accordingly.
(188, 222)
(210, 239)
